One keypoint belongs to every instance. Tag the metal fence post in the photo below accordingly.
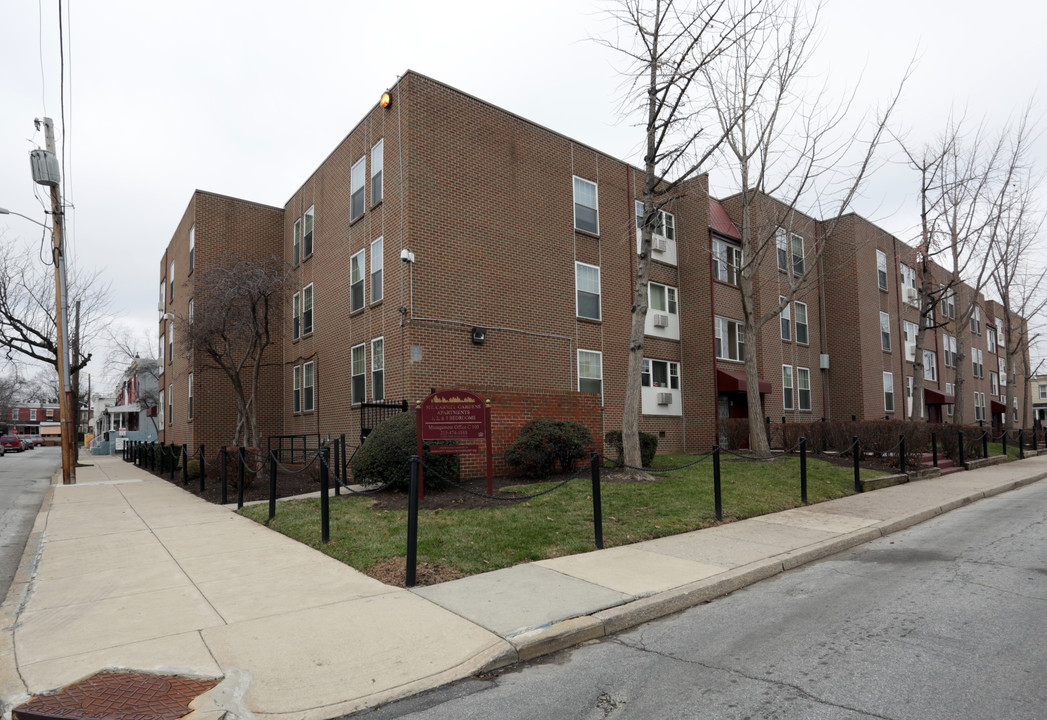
(1021, 444)
(717, 496)
(985, 444)
(325, 502)
(203, 468)
(223, 472)
(174, 463)
(803, 470)
(240, 477)
(934, 448)
(337, 468)
(594, 461)
(901, 454)
(272, 486)
(412, 523)
(857, 472)
(1003, 439)
(185, 464)
(960, 442)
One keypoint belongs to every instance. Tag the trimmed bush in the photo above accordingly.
(384, 456)
(542, 444)
(648, 446)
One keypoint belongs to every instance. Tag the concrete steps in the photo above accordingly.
(945, 465)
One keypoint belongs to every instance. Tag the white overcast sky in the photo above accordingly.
(247, 98)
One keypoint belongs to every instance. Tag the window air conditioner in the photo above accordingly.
(910, 294)
(665, 398)
(658, 244)
(661, 320)
(910, 351)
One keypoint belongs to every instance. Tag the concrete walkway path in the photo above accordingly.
(124, 571)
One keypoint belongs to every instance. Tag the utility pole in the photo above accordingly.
(65, 400)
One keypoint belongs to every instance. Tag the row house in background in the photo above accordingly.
(446, 242)
(132, 412)
(31, 418)
(1038, 390)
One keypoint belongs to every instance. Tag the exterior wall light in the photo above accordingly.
(479, 335)
(386, 100)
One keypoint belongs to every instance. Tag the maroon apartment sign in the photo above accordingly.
(457, 415)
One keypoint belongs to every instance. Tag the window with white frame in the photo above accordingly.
(977, 363)
(160, 354)
(990, 337)
(730, 339)
(378, 369)
(976, 320)
(1000, 337)
(163, 293)
(664, 222)
(949, 302)
(1043, 392)
(308, 378)
(377, 269)
(358, 354)
(587, 286)
(170, 342)
(781, 240)
(1014, 402)
(979, 406)
(356, 281)
(949, 349)
(192, 311)
(803, 388)
(881, 269)
(296, 244)
(802, 336)
(50, 414)
(908, 284)
(949, 391)
(586, 208)
(885, 331)
(307, 233)
(192, 247)
(909, 395)
(1003, 370)
(296, 316)
(910, 329)
(994, 382)
(786, 318)
(307, 309)
(590, 372)
(799, 264)
(296, 392)
(189, 406)
(170, 403)
(32, 414)
(377, 163)
(787, 386)
(727, 262)
(357, 189)
(160, 411)
(930, 365)
(660, 374)
(662, 298)
(171, 282)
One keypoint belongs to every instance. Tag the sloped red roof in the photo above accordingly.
(720, 221)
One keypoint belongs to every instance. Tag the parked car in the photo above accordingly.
(38, 440)
(12, 442)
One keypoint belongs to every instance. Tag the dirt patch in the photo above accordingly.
(287, 485)
(394, 572)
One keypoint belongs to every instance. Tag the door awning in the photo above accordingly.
(937, 397)
(997, 407)
(734, 381)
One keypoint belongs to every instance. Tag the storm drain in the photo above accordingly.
(118, 696)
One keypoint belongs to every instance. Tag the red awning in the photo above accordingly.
(733, 381)
(997, 407)
(936, 397)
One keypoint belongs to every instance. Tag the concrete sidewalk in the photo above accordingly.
(125, 572)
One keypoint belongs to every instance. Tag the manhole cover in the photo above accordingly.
(118, 696)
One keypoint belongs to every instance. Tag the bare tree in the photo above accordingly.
(126, 350)
(232, 327)
(668, 50)
(782, 148)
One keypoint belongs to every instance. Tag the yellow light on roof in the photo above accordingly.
(387, 100)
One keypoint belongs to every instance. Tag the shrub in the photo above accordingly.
(648, 446)
(384, 457)
(542, 444)
(734, 433)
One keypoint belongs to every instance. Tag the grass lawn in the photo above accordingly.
(560, 523)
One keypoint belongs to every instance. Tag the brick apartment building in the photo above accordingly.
(446, 242)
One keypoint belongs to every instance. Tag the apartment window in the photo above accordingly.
(787, 386)
(171, 282)
(662, 298)
(949, 348)
(296, 247)
(990, 337)
(977, 363)
(801, 323)
(358, 355)
(163, 294)
(307, 233)
(378, 369)
(296, 316)
(50, 414)
(727, 262)
(909, 395)
(307, 309)
(803, 387)
(170, 342)
(590, 371)
(161, 353)
(881, 269)
(948, 302)
(586, 211)
(1014, 403)
(587, 285)
(32, 414)
(888, 392)
(377, 161)
(296, 394)
(994, 383)
(1003, 370)
(885, 331)
(170, 403)
(786, 318)
(908, 285)
(1000, 338)
(979, 406)
(1043, 392)
(160, 414)
(357, 189)
(189, 406)
(308, 377)
(949, 391)
(730, 339)
(798, 255)
(909, 331)
(664, 222)
(191, 312)
(930, 365)
(356, 281)
(660, 374)
(192, 247)
(377, 268)
(781, 239)
(976, 320)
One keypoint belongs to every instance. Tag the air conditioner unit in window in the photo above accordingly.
(910, 294)
(665, 398)
(658, 244)
(910, 351)
(661, 320)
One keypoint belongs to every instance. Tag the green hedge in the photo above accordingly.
(648, 446)
(384, 456)
(542, 444)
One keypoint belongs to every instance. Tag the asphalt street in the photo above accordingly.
(944, 620)
(24, 479)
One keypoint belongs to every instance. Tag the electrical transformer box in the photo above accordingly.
(45, 168)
